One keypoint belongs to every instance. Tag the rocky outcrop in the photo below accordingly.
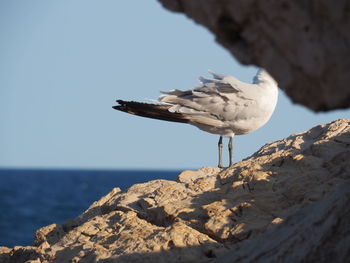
(286, 203)
(305, 45)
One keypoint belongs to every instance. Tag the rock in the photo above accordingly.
(303, 44)
(286, 203)
(316, 233)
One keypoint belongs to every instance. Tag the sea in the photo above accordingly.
(33, 198)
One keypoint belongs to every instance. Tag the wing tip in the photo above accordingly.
(122, 105)
(120, 101)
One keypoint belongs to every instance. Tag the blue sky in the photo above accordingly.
(64, 63)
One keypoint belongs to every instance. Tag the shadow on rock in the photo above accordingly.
(288, 201)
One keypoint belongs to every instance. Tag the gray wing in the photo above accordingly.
(215, 101)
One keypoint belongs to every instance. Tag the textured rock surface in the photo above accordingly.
(286, 203)
(305, 45)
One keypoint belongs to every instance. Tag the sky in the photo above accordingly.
(64, 63)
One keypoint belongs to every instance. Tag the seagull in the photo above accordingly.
(221, 105)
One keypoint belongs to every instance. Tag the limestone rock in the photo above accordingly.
(286, 203)
(303, 44)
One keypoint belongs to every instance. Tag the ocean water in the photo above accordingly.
(30, 199)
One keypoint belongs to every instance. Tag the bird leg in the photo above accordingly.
(220, 152)
(230, 150)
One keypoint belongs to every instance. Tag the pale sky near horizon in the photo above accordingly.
(64, 63)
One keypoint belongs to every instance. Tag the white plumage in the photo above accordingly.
(224, 105)
(220, 105)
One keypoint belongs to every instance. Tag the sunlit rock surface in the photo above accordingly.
(305, 45)
(289, 202)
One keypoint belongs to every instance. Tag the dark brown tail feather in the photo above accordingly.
(153, 111)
